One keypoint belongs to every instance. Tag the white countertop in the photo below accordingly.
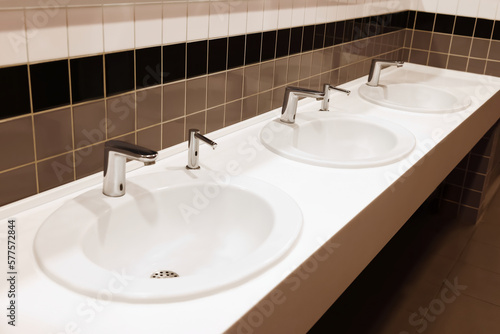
(349, 215)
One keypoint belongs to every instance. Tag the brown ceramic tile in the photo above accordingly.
(195, 121)
(452, 193)
(406, 54)
(53, 133)
(293, 68)
(280, 72)
(251, 80)
(16, 143)
(343, 75)
(325, 78)
(421, 40)
(440, 43)
(326, 62)
(337, 52)
(234, 85)
(89, 160)
(468, 214)
(174, 100)
(216, 89)
(494, 53)
(334, 77)
(479, 48)
(408, 38)
(148, 107)
(304, 83)
(438, 59)
(457, 63)
(484, 145)
(233, 113)
(471, 198)
(150, 138)
(278, 95)
(493, 68)
(249, 107)
(196, 95)
(55, 172)
(314, 83)
(317, 58)
(476, 66)
(478, 164)
(128, 138)
(173, 132)
(215, 118)
(460, 45)
(456, 177)
(419, 57)
(264, 104)
(266, 76)
(305, 65)
(474, 181)
(89, 123)
(17, 184)
(448, 209)
(121, 115)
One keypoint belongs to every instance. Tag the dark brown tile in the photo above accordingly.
(408, 38)
(174, 96)
(456, 177)
(216, 89)
(325, 78)
(173, 132)
(343, 75)
(17, 184)
(334, 77)
(16, 143)
(280, 72)
(53, 133)
(55, 172)
(251, 80)
(195, 121)
(89, 160)
(406, 54)
(266, 76)
(304, 83)
(264, 104)
(249, 107)
(317, 58)
(128, 138)
(337, 52)
(471, 198)
(494, 53)
(421, 40)
(121, 115)
(215, 118)
(493, 68)
(314, 83)
(305, 65)
(326, 62)
(484, 145)
(419, 57)
(89, 123)
(448, 209)
(148, 107)
(196, 95)
(234, 85)
(452, 193)
(457, 63)
(278, 95)
(468, 215)
(460, 45)
(474, 181)
(150, 138)
(440, 43)
(479, 48)
(233, 113)
(293, 68)
(476, 66)
(438, 59)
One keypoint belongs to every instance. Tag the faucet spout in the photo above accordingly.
(326, 99)
(194, 147)
(116, 154)
(291, 100)
(376, 68)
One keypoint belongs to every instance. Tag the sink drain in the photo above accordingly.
(164, 274)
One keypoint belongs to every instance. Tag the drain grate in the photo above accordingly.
(164, 274)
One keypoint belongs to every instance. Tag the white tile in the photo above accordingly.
(341, 12)
(429, 5)
(174, 22)
(219, 19)
(468, 8)
(47, 34)
(271, 8)
(255, 16)
(498, 13)
(198, 19)
(285, 14)
(332, 13)
(321, 11)
(351, 10)
(487, 9)
(118, 28)
(148, 25)
(298, 13)
(12, 38)
(310, 12)
(85, 31)
(447, 7)
(237, 17)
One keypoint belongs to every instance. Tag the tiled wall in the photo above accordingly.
(73, 77)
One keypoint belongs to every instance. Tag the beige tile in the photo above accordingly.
(215, 118)
(233, 113)
(149, 107)
(216, 89)
(17, 184)
(482, 255)
(150, 138)
(173, 132)
(251, 80)
(16, 143)
(121, 115)
(89, 160)
(55, 172)
(53, 132)
(196, 95)
(174, 96)
(89, 123)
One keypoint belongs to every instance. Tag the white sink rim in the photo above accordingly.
(72, 269)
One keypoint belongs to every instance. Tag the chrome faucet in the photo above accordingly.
(194, 147)
(291, 99)
(376, 68)
(326, 98)
(116, 154)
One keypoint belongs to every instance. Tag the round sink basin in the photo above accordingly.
(338, 140)
(173, 236)
(415, 97)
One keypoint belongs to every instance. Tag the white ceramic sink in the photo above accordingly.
(213, 231)
(415, 97)
(340, 140)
